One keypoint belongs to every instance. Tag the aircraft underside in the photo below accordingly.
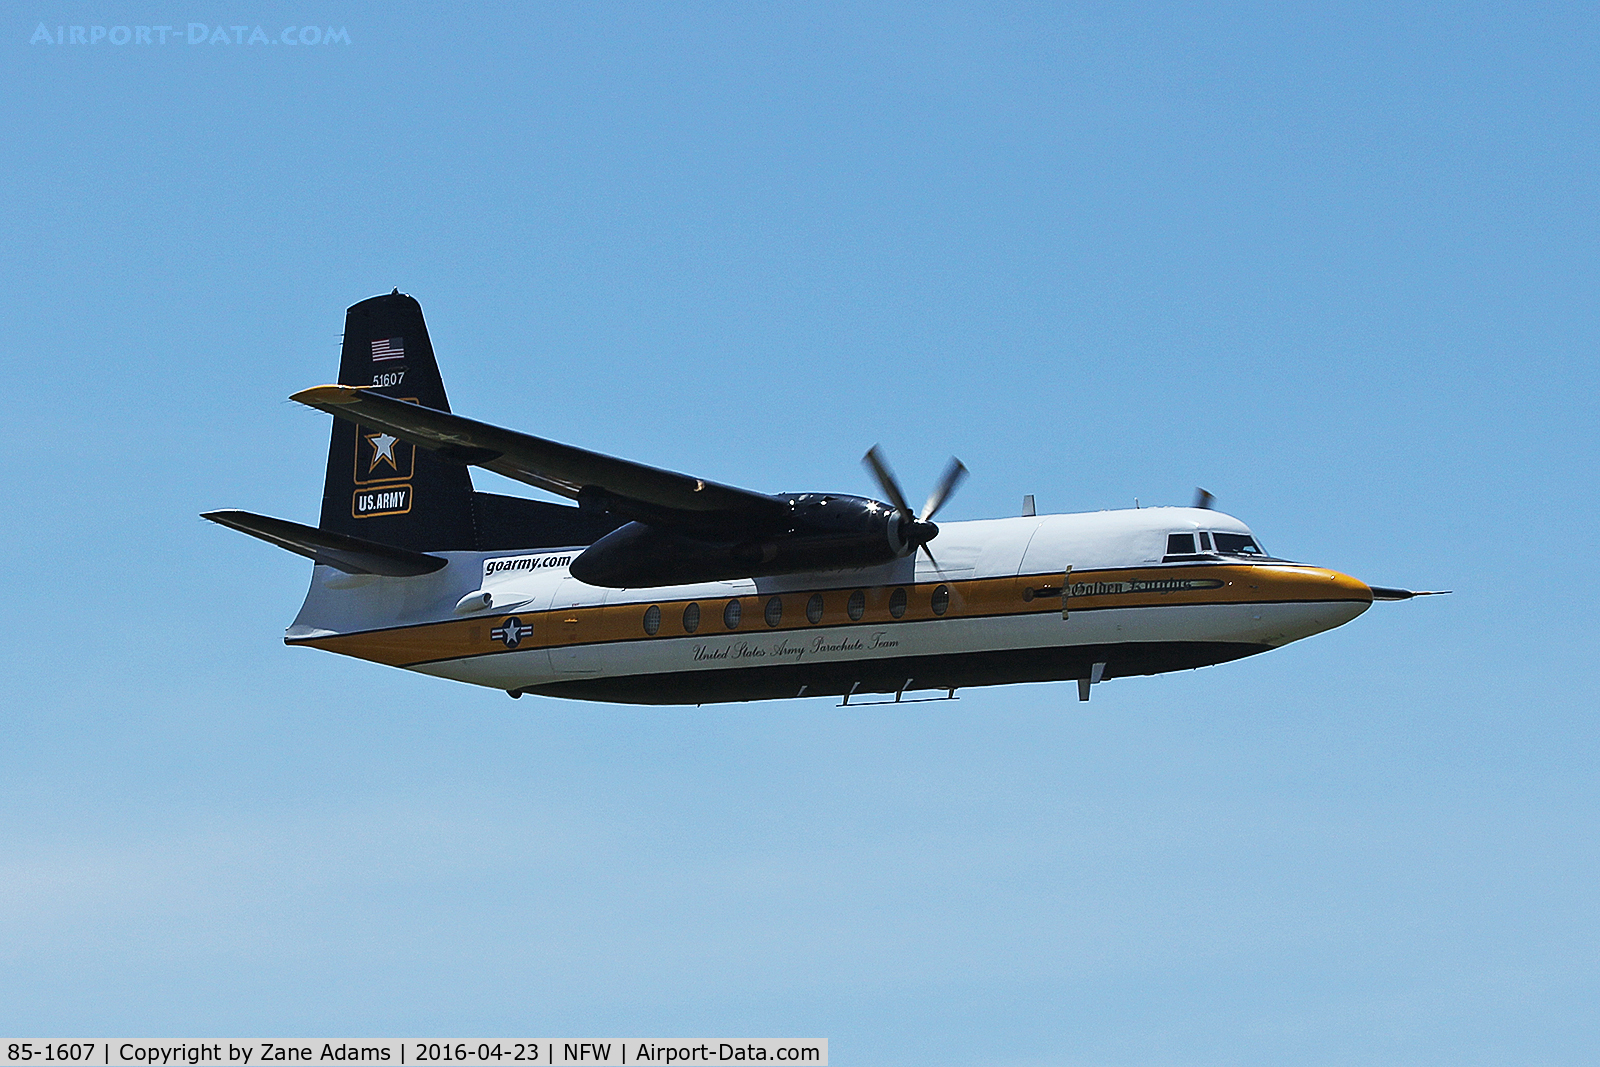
(907, 675)
(907, 656)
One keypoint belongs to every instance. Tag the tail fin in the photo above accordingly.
(379, 488)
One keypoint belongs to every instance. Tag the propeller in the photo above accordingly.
(1203, 499)
(917, 529)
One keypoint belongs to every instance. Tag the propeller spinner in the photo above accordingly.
(918, 529)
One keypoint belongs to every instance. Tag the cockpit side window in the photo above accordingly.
(1237, 545)
(1205, 541)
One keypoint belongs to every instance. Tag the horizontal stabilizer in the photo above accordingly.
(549, 465)
(353, 555)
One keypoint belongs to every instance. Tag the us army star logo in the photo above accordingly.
(382, 451)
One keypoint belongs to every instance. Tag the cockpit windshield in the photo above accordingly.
(1181, 547)
(1230, 544)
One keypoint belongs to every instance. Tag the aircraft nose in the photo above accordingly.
(1349, 598)
(1299, 601)
(1296, 582)
(1351, 588)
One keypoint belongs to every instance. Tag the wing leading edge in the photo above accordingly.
(641, 491)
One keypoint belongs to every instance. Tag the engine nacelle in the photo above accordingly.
(826, 532)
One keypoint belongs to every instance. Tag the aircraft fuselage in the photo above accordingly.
(1038, 598)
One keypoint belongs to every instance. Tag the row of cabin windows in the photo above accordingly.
(855, 607)
(1227, 544)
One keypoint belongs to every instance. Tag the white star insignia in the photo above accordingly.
(383, 450)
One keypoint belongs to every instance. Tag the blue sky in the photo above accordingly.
(1335, 263)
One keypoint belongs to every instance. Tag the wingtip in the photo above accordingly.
(319, 395)
(228, 517)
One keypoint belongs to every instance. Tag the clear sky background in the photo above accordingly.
(1335, 263)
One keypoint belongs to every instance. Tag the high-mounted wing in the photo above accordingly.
(657, 494)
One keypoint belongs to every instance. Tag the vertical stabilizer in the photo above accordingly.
(380, 488)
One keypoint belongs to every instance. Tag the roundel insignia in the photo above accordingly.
(511, 632)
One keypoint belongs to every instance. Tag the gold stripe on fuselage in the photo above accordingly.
(970, 598)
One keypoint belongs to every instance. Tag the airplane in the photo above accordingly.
(655, 587)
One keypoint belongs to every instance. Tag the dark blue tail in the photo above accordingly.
(385, 490)
(379, 488)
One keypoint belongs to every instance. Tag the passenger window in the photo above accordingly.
(691, 618)
(730, 615)
(1180, 544)
(856, 606)
(652, 620)
(897, 603)
(774, 611)
(814, 609)
(941, 600)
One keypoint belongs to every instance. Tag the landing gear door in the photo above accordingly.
(576, 614)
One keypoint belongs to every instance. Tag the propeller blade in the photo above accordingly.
(886, 481)
(954, 474)
(1203, 499)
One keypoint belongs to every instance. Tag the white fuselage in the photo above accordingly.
(990, 611)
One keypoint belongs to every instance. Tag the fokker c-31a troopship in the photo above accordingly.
(662, 588)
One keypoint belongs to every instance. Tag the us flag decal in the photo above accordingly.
(389, 348)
